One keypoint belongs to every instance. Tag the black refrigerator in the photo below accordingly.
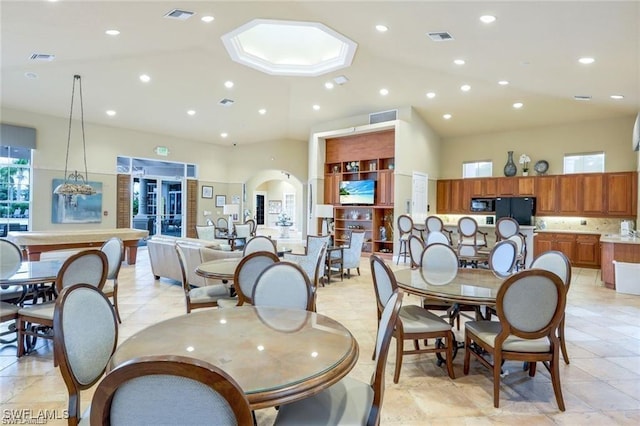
(521, 209)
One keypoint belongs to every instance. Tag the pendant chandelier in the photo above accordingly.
(75, 183)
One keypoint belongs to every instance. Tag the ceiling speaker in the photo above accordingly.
(380, 117)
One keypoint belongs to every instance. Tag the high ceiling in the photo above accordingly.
(534, 45)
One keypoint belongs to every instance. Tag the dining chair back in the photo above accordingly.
(313, 258)
(242, 233)
(405, 227)
(416, 247)
(502, 258)
(420, 323)
(283, 285)
(113, 248)
(170, 390)
(253, 227)
(10, 261)
(439, 258)
(206, 232)
(506, 227)
(558, 263)
(530, 306)
(247, 273)
(434, 224)
(222, 228)
(259, 243)
(198, 297)
(437, 237)
(521, 252)
(85, 336)
(349, 401)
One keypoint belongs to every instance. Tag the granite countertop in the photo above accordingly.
(568, 231)
(616, 238)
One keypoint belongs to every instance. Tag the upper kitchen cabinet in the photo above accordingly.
(546, 195)
(443, 196)
(526, 186)
(593, 187)
(622, 193)
(569, 195)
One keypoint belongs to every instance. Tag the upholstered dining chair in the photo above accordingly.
(222, 228)
(8, 312)
(557, 262)
(414, 322)
(10, 260)
(114, 249)
(502, 258)
(416, 247)
(352, 253)
(521, 254)
(245, 276)
(199, 297)
(85, 337)
(206, 232)
(530, 306)
(259, 243)
(405, 227)
(469, 234)
(434, 224)
(437, 237)
(242, 233)
(506, 227)
(170, 390)
(88, 267)
(349, 401)
(284, 285)
(253, 227)
(314, 253)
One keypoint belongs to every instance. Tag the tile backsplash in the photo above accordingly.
(600, 225)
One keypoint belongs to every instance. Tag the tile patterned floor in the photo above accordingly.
(601, 385)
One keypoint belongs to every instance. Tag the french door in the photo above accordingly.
(158, 207)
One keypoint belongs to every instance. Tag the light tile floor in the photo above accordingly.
(601, 385)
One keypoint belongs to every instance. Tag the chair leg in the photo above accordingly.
(20, 324)
(497, 369)
(563, 345)
(450, 342)
(399, 351)
(555, 380)
(467, 354)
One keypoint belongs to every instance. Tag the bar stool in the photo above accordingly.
(405, 226)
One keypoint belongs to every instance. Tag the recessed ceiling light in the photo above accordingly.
(431, 95)
(582, 97)
(145, 78)
(487, 19)
(31, 75)
(191, 112)
(228, 84)
(586, 60)
(617, 97)
(316, 107)
(262, 111)
(224, 135)
(459, 61)
(465, 87)
(328, 85)
(518, 105)
(110, 112)
(112, 32)
(384, 92)
(207, 18)
(447, 116)
(382, 28)
(503, 83)
(340, 80)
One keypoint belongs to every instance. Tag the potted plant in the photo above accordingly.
(525, 160)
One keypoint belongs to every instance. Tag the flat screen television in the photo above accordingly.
(357, 192)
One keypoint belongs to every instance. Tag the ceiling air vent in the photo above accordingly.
(440, 36)
(226, 102)
(582, 97)
(380, 117)
(42, 57)
(182, 15)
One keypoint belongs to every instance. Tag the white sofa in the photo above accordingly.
(164, 259)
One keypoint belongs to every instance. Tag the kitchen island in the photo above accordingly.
(618, 248)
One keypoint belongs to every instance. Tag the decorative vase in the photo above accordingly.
(510, 168)
(525, 173)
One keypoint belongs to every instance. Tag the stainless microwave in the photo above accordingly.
(483, 205)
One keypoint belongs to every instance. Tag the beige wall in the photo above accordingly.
(613, 136)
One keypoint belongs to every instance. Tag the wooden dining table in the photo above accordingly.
(219, 269)
(276, 355)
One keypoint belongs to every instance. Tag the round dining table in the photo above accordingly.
(276, 355)
(219, 269)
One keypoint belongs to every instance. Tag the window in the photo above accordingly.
(477, 169)
(15, 189)
(591, 162)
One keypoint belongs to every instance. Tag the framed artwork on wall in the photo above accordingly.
(275, 206)
(207, 191)
(221, 200)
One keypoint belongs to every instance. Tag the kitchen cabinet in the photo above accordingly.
(582, 250)
(459, 203)
(526, 186)
(443, 196)
(490, 187)
(507, 186)
(569, 195)
(622, 193)
(613, 248)
(592, 191)
(546, 195)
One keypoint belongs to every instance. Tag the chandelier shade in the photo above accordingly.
(75, 183)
